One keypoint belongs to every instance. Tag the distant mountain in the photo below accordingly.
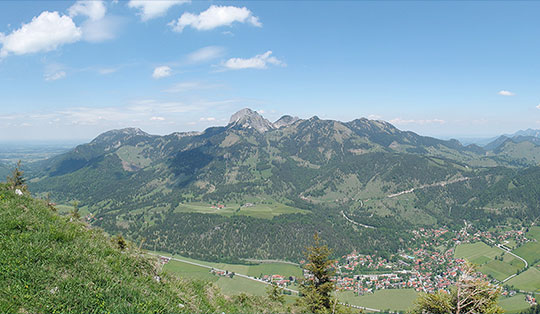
(528, 132)
(285, 121)
(247, 118)
(246, 189)
(518, 137)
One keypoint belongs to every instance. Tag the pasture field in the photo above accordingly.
(530, 251)
(189, 271)
(257, 210)
(528, 280)
(229, 286)
(514, 304)
(483, 255)
(534, 232)
(255, 270)
(501, 270)
(390, 299)
(478, 253)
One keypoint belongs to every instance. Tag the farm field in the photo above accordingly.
(534, 232)
(189, 271)
(266, 211)
(391, 299)
(530, 251)
(229, 286)
(477, 253)
(514, 304)
(529, 280)
(255, 270)
(483, 255)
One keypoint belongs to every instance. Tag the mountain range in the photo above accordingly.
(260, 189)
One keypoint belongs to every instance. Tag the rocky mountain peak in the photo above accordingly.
(249, 119)
(285, 120)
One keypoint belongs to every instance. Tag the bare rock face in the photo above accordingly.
(249, 119)
(285, 121)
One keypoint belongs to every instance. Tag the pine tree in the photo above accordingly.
(317, 291)
(275, 293)
(16, 180)
(75, 211)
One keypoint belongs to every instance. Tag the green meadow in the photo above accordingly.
(514, 304)
(266, 210)
(390, 299)
(484, 255)
(528, 280)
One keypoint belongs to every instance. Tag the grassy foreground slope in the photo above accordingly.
(51, 264)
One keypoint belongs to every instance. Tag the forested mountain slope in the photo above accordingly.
(242, 190)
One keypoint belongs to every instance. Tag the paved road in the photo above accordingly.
(502, 247)
(253, 278)
(442, 183)
(356, 223)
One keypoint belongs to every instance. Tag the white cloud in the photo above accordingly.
(413, 121)
(93, 9)
(205, 54)
(55, 76)
(215, 16)
(538, 107)
(45, 32)
(505, 93)
(149, 9)
(161, 72)
(258, 62)
(157, 119)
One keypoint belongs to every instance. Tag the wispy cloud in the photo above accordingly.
(55, 76)
(94, 9)
(214, 17)
(205, 54)
(155, 8)
(258, 62)
(189, 86)
(506, 93)
(208, 119)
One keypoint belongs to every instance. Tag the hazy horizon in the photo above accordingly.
(74, 69)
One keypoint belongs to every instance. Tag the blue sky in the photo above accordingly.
(73, 69)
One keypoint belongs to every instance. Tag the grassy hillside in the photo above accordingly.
(49, 263)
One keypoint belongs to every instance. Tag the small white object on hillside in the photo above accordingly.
(18, 192)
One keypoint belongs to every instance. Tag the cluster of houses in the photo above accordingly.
(530, 299)
(429, 266)
(218, 206)
(426, 267)
(222, 273)
(279, 280)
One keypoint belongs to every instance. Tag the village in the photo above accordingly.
(428, 266)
